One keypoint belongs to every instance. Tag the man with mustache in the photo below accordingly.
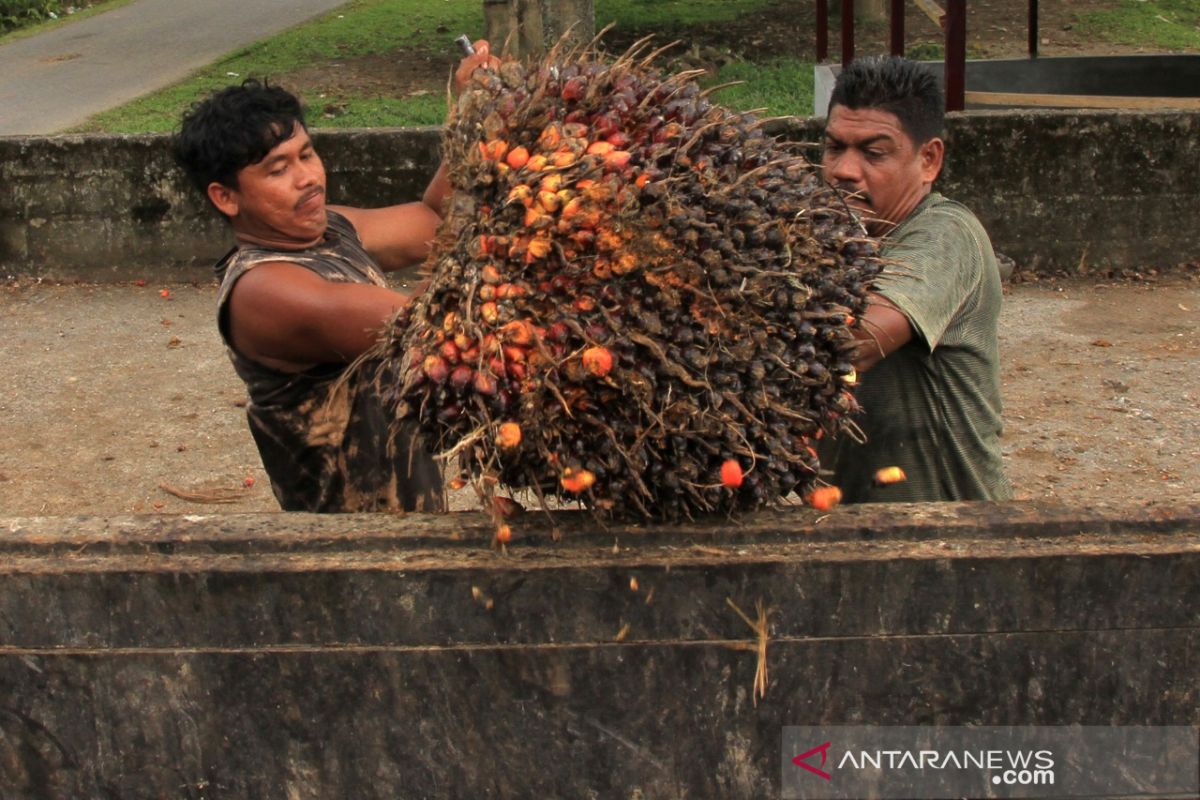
(302, 297)
(928, 341)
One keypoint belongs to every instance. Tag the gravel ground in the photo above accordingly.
(113, 391)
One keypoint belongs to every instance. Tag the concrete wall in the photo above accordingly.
(345, 656)
(1056, 189)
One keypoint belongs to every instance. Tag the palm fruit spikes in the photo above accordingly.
(634, 291)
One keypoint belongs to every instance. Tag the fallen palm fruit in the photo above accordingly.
(731, 474)
(650, 288)
(824, 498)
(889, 475)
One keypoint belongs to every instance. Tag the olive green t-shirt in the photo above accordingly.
(933, 407)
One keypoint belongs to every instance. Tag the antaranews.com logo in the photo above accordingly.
(949, 762)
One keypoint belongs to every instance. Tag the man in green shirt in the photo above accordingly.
(928, 341)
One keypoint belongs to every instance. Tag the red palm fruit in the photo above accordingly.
(574, 130)
(491, 274)
(626, 263)
(571, 209)
(518, 332)
(602, 269)
(619, 140)
(504, 534)
(577, 481)
(486, 293)
(573, 89)
(550, 137)
(889, 475)
(508, 435)
(598, 361)
(608, 240)
(463, 342)
(436, 369)
(537, 163)
(584, 303)
(563, 159)
(557, 332)
(490, 313)
(617, 160)
(601, 148)
(606, 124)
(520, 194)
(539, 247)
(549, 201)
(461, 377)
(514, 354)
(485, 384)
(470, 355)
(449, 351)
(731, 474)
(517, 157)
(824, 498)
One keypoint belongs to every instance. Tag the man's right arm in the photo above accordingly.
(882, 330)
(289, 318)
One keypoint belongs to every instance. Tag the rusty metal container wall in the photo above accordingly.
(381, 656)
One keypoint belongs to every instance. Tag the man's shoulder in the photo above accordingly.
(940, 222)
(937, 209)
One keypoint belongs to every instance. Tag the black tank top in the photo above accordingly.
(324, 437)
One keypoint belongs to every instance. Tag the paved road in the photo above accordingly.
(58, 79)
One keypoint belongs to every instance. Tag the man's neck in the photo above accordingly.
(269, 242)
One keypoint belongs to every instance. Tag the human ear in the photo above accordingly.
(224, 198)
(931, 155)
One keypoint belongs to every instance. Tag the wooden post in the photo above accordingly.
(847, 32)
(897, 27)
(822, 30)
(1033, 28)
(956, 54)
(529, 28)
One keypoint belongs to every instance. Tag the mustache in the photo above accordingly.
(319, 190)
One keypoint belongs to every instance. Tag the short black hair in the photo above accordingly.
(233, 128)
(897, 85)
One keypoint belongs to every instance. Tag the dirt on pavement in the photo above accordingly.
(112, 392)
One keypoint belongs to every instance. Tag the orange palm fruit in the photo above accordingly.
(577, 481)
(598, 360)
(824, 498)
(889, 475)
(731, 474)
(508, 435)
(517, 157)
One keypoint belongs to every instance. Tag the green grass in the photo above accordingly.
(782, 86)
(366, 27)
(1153, 24)
(45, 25)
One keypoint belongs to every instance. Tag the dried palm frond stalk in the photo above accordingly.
(638, 299)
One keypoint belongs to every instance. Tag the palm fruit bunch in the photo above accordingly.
(637, 299)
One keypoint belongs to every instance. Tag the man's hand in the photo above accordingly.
(481, 58)
(439, 188)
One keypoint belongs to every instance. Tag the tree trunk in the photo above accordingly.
(871, 10)
(526, 29)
